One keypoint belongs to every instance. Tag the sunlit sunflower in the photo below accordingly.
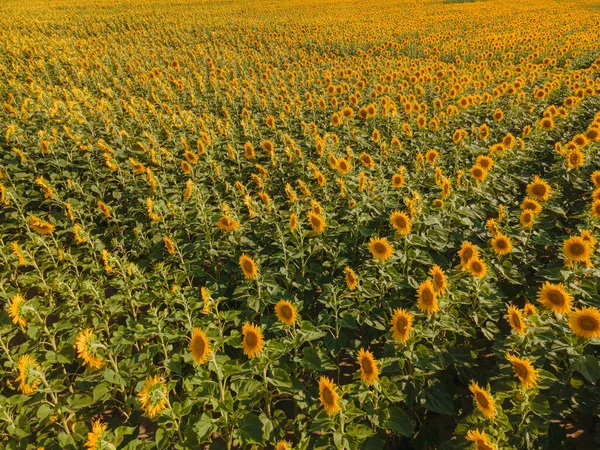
(595, 177)
(531, 205)
(153, 396)
(555, 298)
(15, 310)
(576, 249)
(527, 218)
(226, 224)
(479, 440)
(401, 222)
(343, 165)
(427, 298)
(380, 248)
(484, 400)
(29, 374)
(397, 180)
(439, 279)
(40, 226)
(293, 222)
(515, 319)
(248, 267)
(575, 158)
(539, 189)
(477, 267)
(87, 349)
(252, 342)
(282, 445)
(595, 209)
(199, 346)
(401, 324)
(466, 252)
(529, 309)
(485, 162)
(351, 278)
(585, 322)
(316, 222)
(285, 311)
(329, 396)
(94, 439)
(369, 372)
(501, 244)
(524, 370)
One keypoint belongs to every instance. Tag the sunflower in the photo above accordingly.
(367, 160)
(485, 162)
(29, 376)
(94, 440)
(153, 396)
(87, 349)
(40, 226)
(316, 222)
(226, 224)
(515, 319)
(527, 218)
(343, 165)
(199, 346)
(484, 400)
(282, 445)
(595, 177)
(595, 210)
(252, 342)
(477, 267)
(532, 205)
(524, 370)
(585, 322)
(576, 249)
(329, 396)
(555, 298)
(490, 224)
(427, 298)
(439, 279)
(285, 311)
(293, 222)
(466, 252)
(539, 189)
(397, 180)
(351, 279)
(478, 172)
(431, 157)
(249, 151)
(248, 267)
(529, 309)
(575, 158)
(380, 248)
(401, 324)
(479, 439)
(15, 310)
(501, 244)
(400, 222)
(369, 372)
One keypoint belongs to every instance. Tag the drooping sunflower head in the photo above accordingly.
(466, 252)
(94, 440)
(401, 325)
(501, 244)
(576, 249)
(555, 298)
(87, 349)
(401, 222)
(515, 319)
(153, 396)
(329, 396)
(199, 346)
(248, 267)
(439, 279)
(585, 322)
(369, 371)
(479, 439)
(427, 298)
(40, 226)
(380, 248)
(524, 370)
(316, 222)
(252, 341)
(484, 400)
(15, 310)
(226, 224)
(285, 311)
(477, 267)
(351, 278)
(29, 374)
(538, 189)
(293, 222)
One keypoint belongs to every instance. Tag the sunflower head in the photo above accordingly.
(427, 298)
(29, 374)
(316, 222)
(380, 248)
(351, 278)
(555, 298)
(94, 440)
(369, 371)
(15, 310)
(248, 267)
(439, 279)
(199, 346)
(87, 349)
(484, 400)
(401, 324)
(478, 172)
(466, 252)
(153, 396)
(329, 396)
(252, 341)
(477, 267)
(285, 311)
(576, 249)
(585, 322)
(401, 222)
(527, 218)
(501, 244)
(479, 439)
(538, 189)
(515, 319)
(531, 205)
(524, 370)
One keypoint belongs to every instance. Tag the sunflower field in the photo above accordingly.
(299, 224)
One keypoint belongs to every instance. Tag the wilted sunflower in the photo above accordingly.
(576, 249)
(94, 440)
(466, 252)
(427, 298)
(248, 266)
(484, 400)
(401, 324)
(539, 189)
(439, 279)
(515, 320)
(555, 298)
(40, 226)
(351, 279)
(329, 396)
(285, 311)
(369, 372)
(29, 376)
(380, 248)
(316, 222)
(479, 439)
(252, 342)
(87, 349)
(226, 224)
(477, 267)
(524, 370)
(531, 205)
(401, 222)
(15, 310)
(153, 396)
(501, 244)
(199, 346)
(585, 322)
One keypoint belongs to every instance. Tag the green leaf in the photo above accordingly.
(44, 411)
(438, 399)
(250, 430)
(588, 367)
(204, 427)
(399, 422)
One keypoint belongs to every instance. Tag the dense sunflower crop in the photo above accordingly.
(299, 224)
